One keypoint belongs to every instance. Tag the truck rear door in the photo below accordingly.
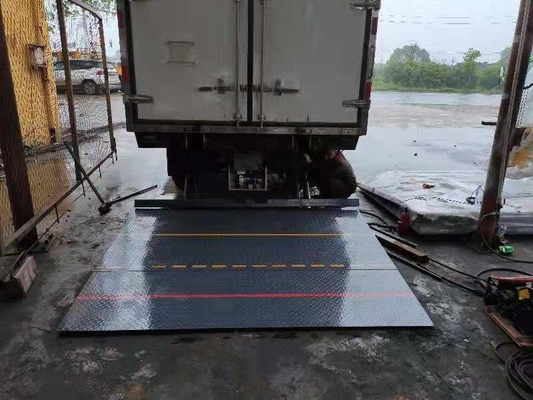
(285, 64)
(184, 58)
(309, 56)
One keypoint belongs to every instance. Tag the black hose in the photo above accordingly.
(365, 212)
(518, 370)
(515, 271)
(436, 276)
(440, 263)
(517, 260)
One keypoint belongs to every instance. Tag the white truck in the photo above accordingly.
(268, 76)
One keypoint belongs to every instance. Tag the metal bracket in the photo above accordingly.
(137, 98)
(365, 4)
(356, 103)
(328, 131)
(227, 204)
(280, 90)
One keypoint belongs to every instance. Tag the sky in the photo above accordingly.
(446, 28)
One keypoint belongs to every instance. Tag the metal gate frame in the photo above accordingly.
(22, 232)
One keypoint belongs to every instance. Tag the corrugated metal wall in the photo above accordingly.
(25, 24)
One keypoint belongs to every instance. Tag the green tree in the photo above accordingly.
(469, 67)
(490, 78)
(410, 52)
(410, 70)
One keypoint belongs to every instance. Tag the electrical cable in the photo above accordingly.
(366, 212)
(518, 370)
(516, 271)
(435, 275)
(440, 263)
(377, 225)
(517, 260)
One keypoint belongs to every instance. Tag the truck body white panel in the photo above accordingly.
(304, 66)
(313, 46)
(181, 46)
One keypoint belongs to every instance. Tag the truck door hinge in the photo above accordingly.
(138, 98)
(357, 103)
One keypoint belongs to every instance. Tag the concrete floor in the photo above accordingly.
(453, 360)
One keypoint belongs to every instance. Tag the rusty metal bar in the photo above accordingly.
(107, 91)
(68, 82)
(513, 88)
(32, 223)
(87, 7)
(12, 146)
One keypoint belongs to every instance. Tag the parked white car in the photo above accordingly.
(87, 75)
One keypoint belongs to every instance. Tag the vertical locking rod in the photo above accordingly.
(262, 116)
(238, 115)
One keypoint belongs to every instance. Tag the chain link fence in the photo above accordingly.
(47, 118)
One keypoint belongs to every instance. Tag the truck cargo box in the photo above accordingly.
(226, 67)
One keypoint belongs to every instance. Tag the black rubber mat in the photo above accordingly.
(228, 269)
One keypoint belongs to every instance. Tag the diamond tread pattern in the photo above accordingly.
(170, 277)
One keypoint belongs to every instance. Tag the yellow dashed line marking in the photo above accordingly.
(239, 265)
(318, 265)
(298, 265)
(279, 265)
(337, 265)
(159, 266)
(179, 266)
(218, 266)
(199, 266)
(259, 265)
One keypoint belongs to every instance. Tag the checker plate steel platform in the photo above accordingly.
(232, 269)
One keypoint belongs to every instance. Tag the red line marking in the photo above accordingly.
(239, 296)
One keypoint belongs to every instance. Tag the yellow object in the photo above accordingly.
(118, 67)
(35, 92)
(523, 294)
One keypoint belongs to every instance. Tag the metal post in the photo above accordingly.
(68, 82)
(12, 147)
(107, 91)
(506, 125)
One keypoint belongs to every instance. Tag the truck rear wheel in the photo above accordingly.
(177, 166)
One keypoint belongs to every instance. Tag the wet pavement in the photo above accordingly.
(425, 132)
(407, 131)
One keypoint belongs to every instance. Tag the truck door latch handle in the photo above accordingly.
(278, 89)
(221, 88)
